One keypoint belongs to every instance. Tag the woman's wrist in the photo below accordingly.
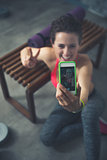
(81, 104)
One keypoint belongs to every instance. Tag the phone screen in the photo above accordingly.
(68, 77)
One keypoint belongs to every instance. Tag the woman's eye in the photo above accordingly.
(61, 46)
(72, 46)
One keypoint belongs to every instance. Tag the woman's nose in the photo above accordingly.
(66, 52)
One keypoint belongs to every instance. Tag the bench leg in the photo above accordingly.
(31, 105)
(27, 113)
(4, 85)
(99, 53)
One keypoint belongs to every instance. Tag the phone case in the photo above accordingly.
(59, 67)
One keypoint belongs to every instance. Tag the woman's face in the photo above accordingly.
(66, 46)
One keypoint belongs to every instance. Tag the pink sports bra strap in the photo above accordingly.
(53, 74)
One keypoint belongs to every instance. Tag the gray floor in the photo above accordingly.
(23, 142)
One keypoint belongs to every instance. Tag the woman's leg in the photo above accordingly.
(90, 120)
(60, 127)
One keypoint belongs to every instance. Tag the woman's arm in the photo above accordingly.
(29, 56)
(72, 102)
(84, 79)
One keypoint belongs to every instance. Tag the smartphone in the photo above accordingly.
(67, 75)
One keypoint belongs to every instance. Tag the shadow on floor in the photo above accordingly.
(9, 155)
(10, 139)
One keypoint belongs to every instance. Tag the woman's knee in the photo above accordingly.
(48, 132)
(46, 138)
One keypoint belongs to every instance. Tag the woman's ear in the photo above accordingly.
(51, 42)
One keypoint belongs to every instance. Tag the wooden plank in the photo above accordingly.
(23, 71)
(92, 42)
(9, 59)
(18, 69)
(11, 63)
(14, 66)
(91, 35)
(39, 82)
(88, 27)
(30, 72)
(13, 51)
(89, 31)
(34, 76)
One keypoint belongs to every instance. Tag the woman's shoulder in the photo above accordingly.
(83, 56)
(84, 63)
(84, 59)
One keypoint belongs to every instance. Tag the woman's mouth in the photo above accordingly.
(66, 58)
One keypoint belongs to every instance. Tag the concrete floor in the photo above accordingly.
(23, 142)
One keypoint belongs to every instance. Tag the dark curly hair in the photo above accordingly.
(67, 24)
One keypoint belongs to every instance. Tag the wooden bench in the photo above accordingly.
(35, 78)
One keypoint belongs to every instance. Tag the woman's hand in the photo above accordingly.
(29, 56)
(67, 100)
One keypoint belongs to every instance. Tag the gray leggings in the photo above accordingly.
(62, 126)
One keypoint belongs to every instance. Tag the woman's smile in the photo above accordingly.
(70, 58)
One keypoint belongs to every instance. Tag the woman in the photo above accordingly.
(74, 113)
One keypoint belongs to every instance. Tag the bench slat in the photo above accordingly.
(10, 63)
(14, 66)
(15, 51)
(93, 41)
(91, 35)
(18, 69)
(89, 31)
(39, 81)
(87, 28)
(9, 59)
(34, 76)
(29, 73)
